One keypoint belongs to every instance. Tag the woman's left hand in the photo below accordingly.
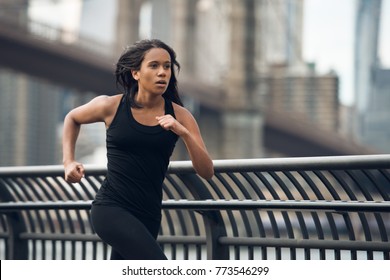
(186, 127)
(168, 122)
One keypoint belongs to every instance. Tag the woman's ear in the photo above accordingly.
(135, 74)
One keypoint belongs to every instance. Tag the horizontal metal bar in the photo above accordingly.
(380, 206)
(46, 170)
(44, 205)
(307, 243)
(304, 163)
(364, 206)
(176, 239)
(381, 161)
(165, 239)
(292, 164)
(59, 236)
(232, 241)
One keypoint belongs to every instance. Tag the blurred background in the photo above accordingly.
(264, 78)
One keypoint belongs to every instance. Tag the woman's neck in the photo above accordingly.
(149, 101)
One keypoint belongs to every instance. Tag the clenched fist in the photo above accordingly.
(74, 171)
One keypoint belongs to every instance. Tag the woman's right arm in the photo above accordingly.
(99, 109)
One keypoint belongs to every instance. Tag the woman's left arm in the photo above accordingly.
(187, 128)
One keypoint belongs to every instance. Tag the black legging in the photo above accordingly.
(129, 237)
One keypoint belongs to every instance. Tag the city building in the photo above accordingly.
(309, 96)
(375, 129)
(372, 88)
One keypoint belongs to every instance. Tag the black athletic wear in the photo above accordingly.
(130, 238)
(138, 157)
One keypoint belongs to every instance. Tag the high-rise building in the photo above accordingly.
(372, 87)
(376, 130)
(366, 56)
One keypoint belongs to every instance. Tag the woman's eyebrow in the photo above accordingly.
(156, 61)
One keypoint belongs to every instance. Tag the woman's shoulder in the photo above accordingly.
(108, 102)
(179, 109)
(105, 105)
(182, 113)
(108, 99)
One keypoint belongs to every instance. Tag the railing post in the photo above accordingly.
(215, 229)
(214, 225)
(17, 249)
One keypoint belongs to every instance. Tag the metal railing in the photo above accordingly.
(285, 208)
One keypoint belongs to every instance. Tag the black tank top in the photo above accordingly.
(138, 158)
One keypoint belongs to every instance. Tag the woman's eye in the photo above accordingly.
(156, 65)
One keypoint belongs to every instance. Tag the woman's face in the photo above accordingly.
(155, 72)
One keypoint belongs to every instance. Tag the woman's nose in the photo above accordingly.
(162, 71)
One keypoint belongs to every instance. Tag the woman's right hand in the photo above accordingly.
(74, 171)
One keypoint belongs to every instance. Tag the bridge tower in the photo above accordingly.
(242, 117)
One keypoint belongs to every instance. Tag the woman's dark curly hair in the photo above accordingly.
(132, 58)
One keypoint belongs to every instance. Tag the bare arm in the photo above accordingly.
(74, 171)
(99, 109)
(187, 128)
